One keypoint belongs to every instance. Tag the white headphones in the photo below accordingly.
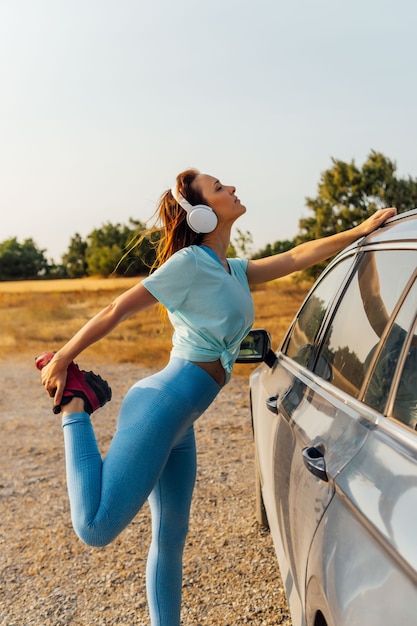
(200, 218)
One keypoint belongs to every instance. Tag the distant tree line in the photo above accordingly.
(21, 260)
(106, 250)
(346, 195)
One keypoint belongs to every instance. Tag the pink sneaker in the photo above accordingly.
(86, 385)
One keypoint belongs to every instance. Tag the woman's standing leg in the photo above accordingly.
(170, 503)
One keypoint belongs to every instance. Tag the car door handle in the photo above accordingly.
(272, 404)
(314, 461)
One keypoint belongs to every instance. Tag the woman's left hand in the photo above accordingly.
(376, 220)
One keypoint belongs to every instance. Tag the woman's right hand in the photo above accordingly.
(54, 377)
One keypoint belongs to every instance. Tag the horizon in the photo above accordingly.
(102, 106)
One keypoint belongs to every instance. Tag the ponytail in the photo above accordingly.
(171, 231)
(175, 232)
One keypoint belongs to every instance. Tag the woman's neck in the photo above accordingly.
(219, 246)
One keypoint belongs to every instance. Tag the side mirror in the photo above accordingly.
(256, 347)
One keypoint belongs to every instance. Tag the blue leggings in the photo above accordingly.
(152, 455)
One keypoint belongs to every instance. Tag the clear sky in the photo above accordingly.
(103, 102)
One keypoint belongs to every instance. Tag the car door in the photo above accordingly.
(317, 432)
(362, 565)
(275, 395)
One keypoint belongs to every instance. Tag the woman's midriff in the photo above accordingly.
(215, 369)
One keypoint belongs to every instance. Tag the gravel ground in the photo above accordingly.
(48, 577)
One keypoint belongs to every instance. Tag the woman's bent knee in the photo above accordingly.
(94, 535)
(93, 539)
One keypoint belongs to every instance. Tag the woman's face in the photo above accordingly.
(221, 198)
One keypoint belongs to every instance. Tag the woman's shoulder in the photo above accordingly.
(171, 281)
(236, 260)
(185, 255)
(238, 263)
(178, 263)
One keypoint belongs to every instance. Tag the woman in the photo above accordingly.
(152, 454)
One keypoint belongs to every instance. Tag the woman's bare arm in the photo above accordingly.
(124, 306)
(312, 252)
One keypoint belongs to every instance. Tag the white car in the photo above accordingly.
(334, 417)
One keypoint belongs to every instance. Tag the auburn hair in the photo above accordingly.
(175, 233)
(171, 231)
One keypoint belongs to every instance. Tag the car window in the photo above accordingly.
(362, 316)
(377, 393)
(380, 382)
(309, 319)
(405, 404)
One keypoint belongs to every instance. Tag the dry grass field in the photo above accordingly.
(41, 315)
(49, 577)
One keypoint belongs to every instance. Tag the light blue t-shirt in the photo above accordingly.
(211, 311)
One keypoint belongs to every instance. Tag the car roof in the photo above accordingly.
(402, 227)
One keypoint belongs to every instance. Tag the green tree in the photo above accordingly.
(110, 250)
(140, 252)
(347, 195)
(21, 260)
(74, 260)
(275, 248)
